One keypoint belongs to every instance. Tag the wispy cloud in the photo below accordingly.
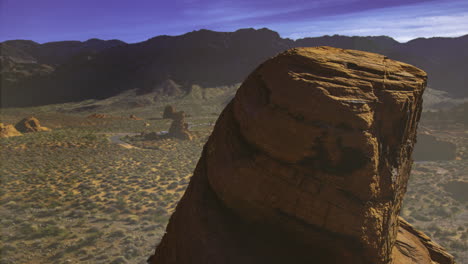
(400, 19)
(403, 21)
(445, 19)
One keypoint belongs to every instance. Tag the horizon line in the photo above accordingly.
(256, 29)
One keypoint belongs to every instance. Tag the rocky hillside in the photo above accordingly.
(98, 69)
(282, 180)
(53, 53)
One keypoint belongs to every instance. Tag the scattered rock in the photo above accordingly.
(307, 164)
(179, 129)
(134, 117)
(99, 116)
(169, 111)
(30, 124)
(429, 148)
(7, 130)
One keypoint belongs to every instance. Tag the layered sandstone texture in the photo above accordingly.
(30, 124)
(307, 164)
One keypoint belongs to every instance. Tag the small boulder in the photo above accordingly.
(134, 117)
(30, 124)
(8, 131)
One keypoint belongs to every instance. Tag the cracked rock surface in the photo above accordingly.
(307, 164)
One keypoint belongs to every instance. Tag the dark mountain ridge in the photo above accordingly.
(53, 53)
(99, 69)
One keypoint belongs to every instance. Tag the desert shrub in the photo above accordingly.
(84, 242)
(459, 245)
(116, 234)
(445, 233)
(172, 186)
(132, 219)
(464, 236)
(119, 260)
(92, 230)
(421, 217)
(57, 256)
(434, 227)
(27, 229)
(455, 209)
(121, 203)
(131, 252)
(53, 245)
(51, 230)
(90, 137)
(5, 249)
(82, 252)
(442, 211)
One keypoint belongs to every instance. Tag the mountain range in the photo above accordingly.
(58, 72)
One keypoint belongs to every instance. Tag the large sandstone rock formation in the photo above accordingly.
(7, 130)
(30, 124)
(307, 164)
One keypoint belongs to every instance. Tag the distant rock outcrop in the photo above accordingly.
(169, 111)
(307, 164)
(431, 148)
(8, 131)
(30, 124)
(179, 129)
(167, 88)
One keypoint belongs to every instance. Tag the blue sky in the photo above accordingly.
(134, 21)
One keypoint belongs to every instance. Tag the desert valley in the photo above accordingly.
(98, 171)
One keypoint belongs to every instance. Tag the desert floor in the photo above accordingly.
(94, 191)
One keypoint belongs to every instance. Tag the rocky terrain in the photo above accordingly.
(120, 212)
(53, 72)
(76, 194)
